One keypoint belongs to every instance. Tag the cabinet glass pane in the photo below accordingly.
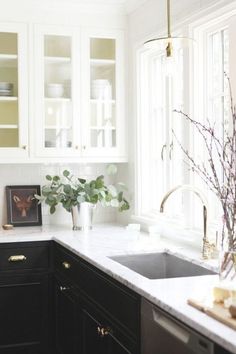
(103, 92)
(9, 114)
(9, 137)
(57, 92)
(8, 43)
(102, 48)
(57, 46)
(58, 123)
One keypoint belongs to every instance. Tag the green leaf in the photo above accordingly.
(56, 178)
(46, 189)
(120, 196)
(52, 209)
(93, 184)
(112, 190)
(94, 199)
(111, 169)
(124, 206)
(108, 198)
(67, 188)
(81, 180)
(48, 177)
(99, 182)
(114, 203)
(80, 199)
(66, 173)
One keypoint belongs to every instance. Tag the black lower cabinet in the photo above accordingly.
(100, 335)
(66, 318)
(80, 328)
(24, 314)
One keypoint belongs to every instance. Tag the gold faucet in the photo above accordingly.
(207, 247)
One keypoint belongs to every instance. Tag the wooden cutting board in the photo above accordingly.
(216, 311)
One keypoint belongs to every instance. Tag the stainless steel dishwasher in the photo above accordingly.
(162, 334)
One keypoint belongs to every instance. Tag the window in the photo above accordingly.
(160, 165)
(160, 92)
(213, 99)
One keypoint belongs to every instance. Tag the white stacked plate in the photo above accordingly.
(54, 90)
(6, 89)
(101, 89)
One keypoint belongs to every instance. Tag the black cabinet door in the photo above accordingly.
(99, 335)
(24, 314)
(66, 319)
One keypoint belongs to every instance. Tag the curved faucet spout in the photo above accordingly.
(206, 248)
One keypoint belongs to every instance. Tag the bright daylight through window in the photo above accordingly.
(163, 88)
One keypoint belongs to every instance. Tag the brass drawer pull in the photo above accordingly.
(66, 265)
(64, 288)
(103, 331)
(17, 258)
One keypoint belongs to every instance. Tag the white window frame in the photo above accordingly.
(214, 17)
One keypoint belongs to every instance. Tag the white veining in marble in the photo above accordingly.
(170, 294)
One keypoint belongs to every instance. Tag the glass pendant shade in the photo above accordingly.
(168, 43)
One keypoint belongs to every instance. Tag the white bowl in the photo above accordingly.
(54, 90)
(6, 86)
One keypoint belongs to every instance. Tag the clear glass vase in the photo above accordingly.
(227, 271)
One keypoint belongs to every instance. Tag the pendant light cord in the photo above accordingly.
(168, 18)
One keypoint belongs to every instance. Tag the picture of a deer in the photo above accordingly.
(23, 204)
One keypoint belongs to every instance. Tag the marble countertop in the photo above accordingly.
(169, 294)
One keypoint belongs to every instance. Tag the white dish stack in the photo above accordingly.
(54, 90)
(6, 89)
(101, 89)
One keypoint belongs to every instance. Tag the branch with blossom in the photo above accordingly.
(219, 170)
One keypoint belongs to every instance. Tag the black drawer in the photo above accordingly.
(24, 256)
(119, 302)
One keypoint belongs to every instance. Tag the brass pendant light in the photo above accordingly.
(169, 40)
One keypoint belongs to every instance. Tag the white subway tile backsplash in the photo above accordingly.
(27, 174)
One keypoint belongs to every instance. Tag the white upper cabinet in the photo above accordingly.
(13, 91)
(78, 94)
(103, 93)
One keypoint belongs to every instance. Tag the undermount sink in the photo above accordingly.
(161, 265)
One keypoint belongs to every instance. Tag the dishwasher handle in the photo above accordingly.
(172, 327)
(194, 341)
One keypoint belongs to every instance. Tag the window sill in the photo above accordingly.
(168, 228)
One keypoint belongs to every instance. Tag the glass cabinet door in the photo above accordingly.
(55, 92)
(103, 92)
(104, 111)
(13, 92)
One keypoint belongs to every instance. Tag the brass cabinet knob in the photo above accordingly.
(64, 288)
(66, 265)
(103, 331)
(17, 258)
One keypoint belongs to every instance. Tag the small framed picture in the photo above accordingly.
(22, 207)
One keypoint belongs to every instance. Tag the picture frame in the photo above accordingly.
(23, 208)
